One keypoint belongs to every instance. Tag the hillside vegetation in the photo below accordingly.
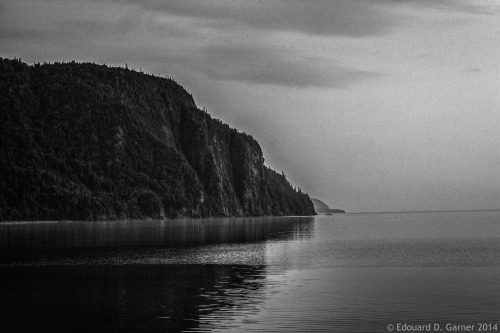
(82, 141)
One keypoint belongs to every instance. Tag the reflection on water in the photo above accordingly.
(125, 298)
(342, 273)
(136, 276)
(147, 242)
(367, 299)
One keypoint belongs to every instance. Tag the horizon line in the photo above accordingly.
(429, 211)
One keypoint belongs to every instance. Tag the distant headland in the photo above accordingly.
(322, 208)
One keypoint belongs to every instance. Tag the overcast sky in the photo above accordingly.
(376, 105)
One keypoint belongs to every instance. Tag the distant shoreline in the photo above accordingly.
(250, 217)
(429, 211)
(150, 219)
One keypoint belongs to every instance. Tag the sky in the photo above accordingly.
(367, 105)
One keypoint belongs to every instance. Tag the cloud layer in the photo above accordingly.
(228, 40)
(231, 40)
(320, 17)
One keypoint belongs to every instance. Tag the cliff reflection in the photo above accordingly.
(146, 242)
(136, 276)
(129, 298)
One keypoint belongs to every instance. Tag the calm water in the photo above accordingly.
(338, 273)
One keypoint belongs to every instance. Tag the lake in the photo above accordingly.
(338, 273)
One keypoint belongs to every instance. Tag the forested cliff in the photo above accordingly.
(82, 141)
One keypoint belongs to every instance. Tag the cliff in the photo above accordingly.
(90, 142)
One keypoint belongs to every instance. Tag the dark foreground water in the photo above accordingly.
(339, 273)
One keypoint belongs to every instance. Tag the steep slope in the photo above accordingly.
(85, 141)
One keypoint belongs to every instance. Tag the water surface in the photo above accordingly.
(338, 273)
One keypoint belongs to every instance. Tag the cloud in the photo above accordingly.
(319, 17)
(489, 7)
(220, 40)
(98, 27)
(473, 69)
(20, 33)
(232, 40)
(282, 67)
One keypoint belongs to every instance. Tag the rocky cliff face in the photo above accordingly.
(85, 141)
